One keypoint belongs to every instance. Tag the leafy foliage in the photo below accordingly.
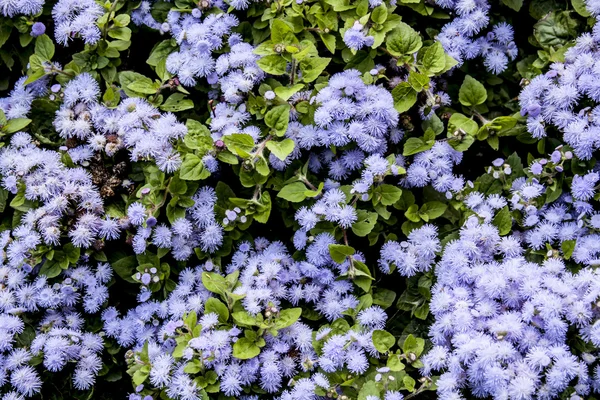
(299, 199)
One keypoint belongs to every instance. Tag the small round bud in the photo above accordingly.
(38, 29)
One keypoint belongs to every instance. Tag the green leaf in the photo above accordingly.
(383, 297)
(416, 145)
(387, 194)
(341, 5)
(514, 4)
(365, 223)
(244, 349)
(379, 14)
(215, 305)
(413, 345)
(51, 269)
(503, 221)
(191, 319)
(142, 85)
(460, 122)
(409, 383)
(433, 58)
(273, 64)
(285, 92)
(361, 275)
(176, 102)
(329, 41)
(282, 33)
(120, 33)
(340, 252)
(15, 125)
(383, 340)
(34, 76)
(281, 149)
(44, 47)
(193, 367)
(294, 192)
(368, 389)
(3, 199)
(472, 92)
(125, 267)
(502, 125)
(214, 282)
(5, 30)
(403, 40)
(278, 119)
(418, 81)
(160, 52)
(192, 168)
(567, 247)
(315, 193)
(261, 166)
(263, 209)
(434, 123)
(433, 209)
(244, 319)
(578, 5)
(404, 97)
(394, 363)
(555, 30)
(72, 253)
(312, 67)
(288, 317)
(198, 136)
(227, 157)
(140, 376)
(240, 144)
(412, 213)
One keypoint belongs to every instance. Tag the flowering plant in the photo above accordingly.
(299, 199)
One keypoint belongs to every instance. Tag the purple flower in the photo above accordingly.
(38, 29)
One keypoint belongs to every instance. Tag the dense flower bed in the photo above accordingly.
(299, 199)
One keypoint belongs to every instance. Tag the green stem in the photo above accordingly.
(261, 147)
(110, 11)
(293, 72)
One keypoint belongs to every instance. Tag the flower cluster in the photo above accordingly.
(331, 207)
(18, 103)
(77, 18)
(417, 254)
(134, 125)
(10, 8)
(55, 192)
(350, 111)
(268, 279)
(459, 36)
(212, 198)
(566, 98)
(198, 229)
(198, 38)
(61, 337)
(356, 39)
(434, 167)
(501, 321)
